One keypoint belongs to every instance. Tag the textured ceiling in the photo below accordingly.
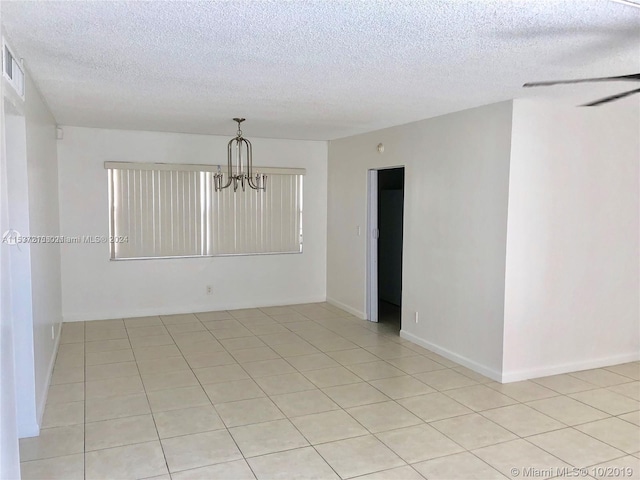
(311, 69)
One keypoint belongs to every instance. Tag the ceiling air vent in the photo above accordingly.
(12, 69)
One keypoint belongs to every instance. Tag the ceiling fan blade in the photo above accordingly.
(611, 98)
(632, 77)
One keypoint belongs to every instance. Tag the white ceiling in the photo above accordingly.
(319, 69)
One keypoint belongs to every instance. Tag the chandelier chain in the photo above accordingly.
(239, 132)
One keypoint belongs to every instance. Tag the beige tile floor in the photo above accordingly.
(308, 391)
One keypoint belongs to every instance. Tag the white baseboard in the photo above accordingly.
(146, 312)
(33, 430)
(545, 371)
(519, 375)
(454, 357)
(43, 401)
(347, 308)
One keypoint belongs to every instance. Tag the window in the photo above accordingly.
(165, 210)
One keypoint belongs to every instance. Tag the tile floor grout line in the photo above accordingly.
(579, 401)
(330, 326)
(536, 434)
(566, 461)
(594, 407)
(226, 427)
(294, 426)
(309, 441)
(600, 440)
(153, 418)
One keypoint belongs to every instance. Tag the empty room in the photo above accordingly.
(320, 239)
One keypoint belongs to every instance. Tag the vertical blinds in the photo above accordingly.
(162, 210)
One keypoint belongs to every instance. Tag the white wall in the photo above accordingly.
(32, 192)
(572, 281)
(30, 302)
(42, 171)
(9, 454)
(20, 271)
(96, 288)
(457, 171)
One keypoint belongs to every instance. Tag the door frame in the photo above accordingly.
(19, 259)
(373, 234)
(372, 245)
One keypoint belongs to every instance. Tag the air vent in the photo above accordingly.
(12, 69)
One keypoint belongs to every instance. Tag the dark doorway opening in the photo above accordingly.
(390, 223)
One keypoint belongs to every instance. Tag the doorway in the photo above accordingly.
(386, 218)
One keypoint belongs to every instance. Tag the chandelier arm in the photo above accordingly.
(239, 145)
(221, 186)
(250, 180)
(229, 154)
(259, 183)
(249, 158)
(226, 185)
(218, 184)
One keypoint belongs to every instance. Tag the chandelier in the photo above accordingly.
(239, 174)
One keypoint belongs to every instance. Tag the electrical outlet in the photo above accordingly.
(416, 317)
(209, 290)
